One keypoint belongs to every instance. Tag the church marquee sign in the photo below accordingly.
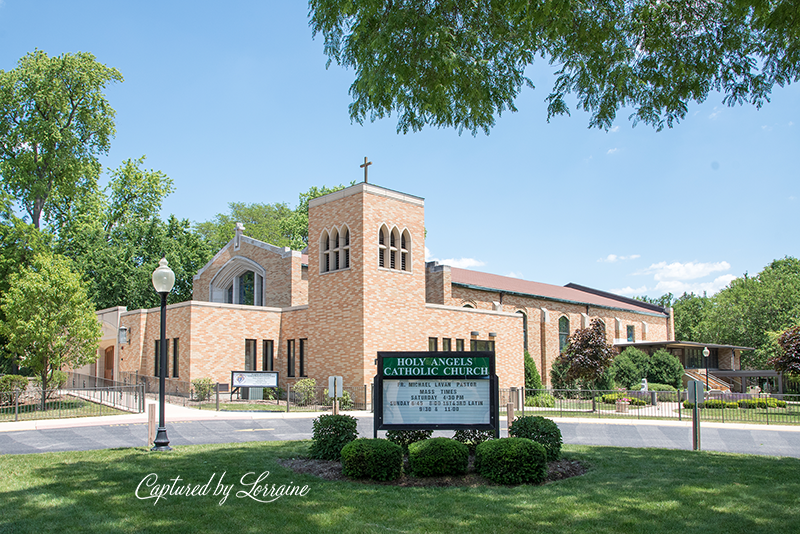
(436, 390)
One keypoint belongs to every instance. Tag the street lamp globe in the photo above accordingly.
(163, 277)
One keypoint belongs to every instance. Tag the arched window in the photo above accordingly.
(346, 247)
(239, 281)
(524, 329)
(405, 251)
(325, 252)
(563, 332)
(382, 242)
(393, 250)
(335, 253)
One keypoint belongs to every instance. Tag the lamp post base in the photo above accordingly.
(161, 442)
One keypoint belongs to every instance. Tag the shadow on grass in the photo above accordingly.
(627, 490)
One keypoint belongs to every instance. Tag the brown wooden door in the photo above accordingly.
(109, 363)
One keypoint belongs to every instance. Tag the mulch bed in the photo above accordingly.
(332, 470)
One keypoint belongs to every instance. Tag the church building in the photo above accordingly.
(361, 286)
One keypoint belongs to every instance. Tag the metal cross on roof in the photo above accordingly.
(364, 166)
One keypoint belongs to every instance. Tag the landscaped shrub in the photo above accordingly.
(202, 388)
(629, 367)
(304, 391)
(541, 430)
(512, 461)
(8, 385)
(377, 459)
(612, 398)
(331, 433)
(665, 368)
(761, 403)
(541, 400)
(438, 456)
(473, 438)
(532, 378)
(404, 438)
(345, 401)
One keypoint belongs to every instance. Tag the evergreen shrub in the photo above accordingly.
(541, 400)
(512, 461)
(532, 378)
(331, 433)
(202, 388)
(376, 459)
(438, 456)
(404, 438)
(541, 430)
(472, 438)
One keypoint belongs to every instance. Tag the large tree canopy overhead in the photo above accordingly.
(461, 63)
(54, 122)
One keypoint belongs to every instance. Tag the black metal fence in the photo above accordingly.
(669, 405)
(78, 396)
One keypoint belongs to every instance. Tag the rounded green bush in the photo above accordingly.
(438, 456)
(512, 461)
(541, 430)
(331, 433)
(377, 459)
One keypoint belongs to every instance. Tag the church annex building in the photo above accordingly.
(361, 286)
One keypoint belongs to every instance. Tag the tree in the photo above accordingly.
(751, 306)
(54, 122)
(19, 243)
(261, 221)
(665, 368)
(533, 380)
(275, 224)
(629, 367)
(690, 310)
(460, 63)
(788, 359)
(587, 354)
(116, 239)
(49, 321)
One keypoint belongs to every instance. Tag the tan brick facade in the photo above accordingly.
(361, 287)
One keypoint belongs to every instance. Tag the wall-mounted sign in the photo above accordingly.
(436, 390)
(254, 379)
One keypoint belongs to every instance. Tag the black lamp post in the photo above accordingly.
(705, 357)
(163, 280)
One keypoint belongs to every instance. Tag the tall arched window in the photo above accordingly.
(383, 238)
(524, 329)
(563, 332)
(405, 251)
(325, 252)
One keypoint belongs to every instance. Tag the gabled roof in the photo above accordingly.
(573, 293)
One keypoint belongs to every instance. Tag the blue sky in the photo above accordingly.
(233, 101)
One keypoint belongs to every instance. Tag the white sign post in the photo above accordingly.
(335, 390)
(695, 391)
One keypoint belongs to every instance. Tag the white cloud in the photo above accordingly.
(514, 274)
(612, 258)
(677, 287)
(612, 151)
(683, 271)
(462, 263)
(714, 113)
(630, 291)
(615, 129)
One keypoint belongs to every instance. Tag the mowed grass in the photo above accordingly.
(650, 491)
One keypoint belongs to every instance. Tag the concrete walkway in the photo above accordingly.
(188, 426)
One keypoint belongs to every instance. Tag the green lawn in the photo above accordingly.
(649, 491)
(57, 409)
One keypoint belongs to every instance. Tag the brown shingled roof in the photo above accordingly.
(495, 282)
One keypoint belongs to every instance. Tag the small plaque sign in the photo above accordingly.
(254, 379)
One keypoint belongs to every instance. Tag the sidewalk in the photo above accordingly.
(177, 414)
(174, 414)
